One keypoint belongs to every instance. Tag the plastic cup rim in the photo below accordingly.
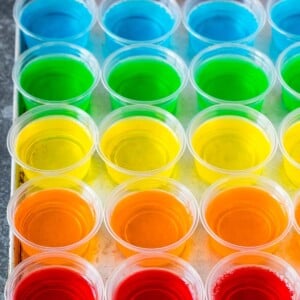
(285, 201)
(255, 52)
(70, 257)
(183, 79)
(164, 249)
(27, 115)
(124, 41)
(91, 8)
(245, 40)
(236, 107)
(97, 209)
(143, 107)
(72, 101)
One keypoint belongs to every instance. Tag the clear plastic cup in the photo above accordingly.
(148, 215)
(283, 17)
(53, 140)
(54, 73)
(210, 22)
(59, 274)
(138, 21)
(56, 214)
(252, 275)
(232, 73)
(230, 139)
(246, 212)
(154, 276)
(288, 65)
(140, 140)
(289, 138)
(68, 21)
(144, 74)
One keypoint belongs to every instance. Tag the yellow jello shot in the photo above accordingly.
(140, 140)
(53, 140)
(289, 142)
(230, 139)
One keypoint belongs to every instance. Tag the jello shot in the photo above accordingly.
(138, 21)
(53, 140)
(56, 73)
(232, 73)
(288, 65)
(252, 275)
(246, 212)
(54, 275)
(297, 215)
(145, 74)
(284, 19)
(154, 276)
(211, 22)
(62, 21)
(149, 215)
(140, 140)
(289, 140)
(56, 214)
(230, 139)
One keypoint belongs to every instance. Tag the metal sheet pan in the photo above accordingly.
(200, 254)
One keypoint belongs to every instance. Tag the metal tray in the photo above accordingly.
(200, 256)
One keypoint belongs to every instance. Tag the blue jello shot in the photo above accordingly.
(210, 22)
(284, 18)
(127, 22)
(55, 20)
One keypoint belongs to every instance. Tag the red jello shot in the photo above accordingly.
(154, 276)
(252, 275)
(54, 275)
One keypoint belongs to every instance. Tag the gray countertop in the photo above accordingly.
(7, 33)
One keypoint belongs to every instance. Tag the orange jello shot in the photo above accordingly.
(56, 213)
(149, 215)
(297, 216)
(247, 212)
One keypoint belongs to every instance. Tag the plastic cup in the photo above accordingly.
(230, 139)
(288, 65)
(246, 212)
(284, 20)
(138, 21)
(148, 215)
(252, 275)
(68, 21)
(144, 74)
(154, 276)
(213, 22)
(289, 138)
(140, 140)
(56, 214)
(231, 73)
(59, 275)
(53, 140)
(57, 72)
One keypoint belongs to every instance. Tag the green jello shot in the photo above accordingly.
(229, 73)
(56, 73)
(288, 69)
(144, 74)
